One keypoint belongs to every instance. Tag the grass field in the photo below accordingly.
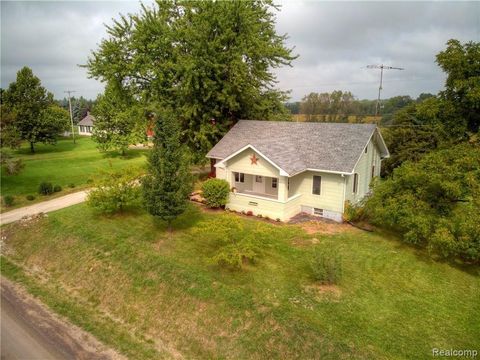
(367, 119)
(63, 164)
(154, 295)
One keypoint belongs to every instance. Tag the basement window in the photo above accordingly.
(317, 211)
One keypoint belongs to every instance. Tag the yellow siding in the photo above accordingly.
(242, 163)
(265, 207)
(331, 194)
(220, 173)
(364, 171)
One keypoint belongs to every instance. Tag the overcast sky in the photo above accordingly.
(335, 41)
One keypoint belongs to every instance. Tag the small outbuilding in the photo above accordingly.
(85, 126)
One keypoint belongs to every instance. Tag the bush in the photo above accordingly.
(30, 197)
(45, 188)
(235, 244)
(215, 192)
(431, 203)
(14, 166)
(326, 266)
(72, 185)
(57, 188)
(249, 213)
(8, 200)
(114, 192)
(353, 212)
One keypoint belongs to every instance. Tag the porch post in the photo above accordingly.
(282, 188)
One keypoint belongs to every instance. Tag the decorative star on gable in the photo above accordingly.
(253, 159)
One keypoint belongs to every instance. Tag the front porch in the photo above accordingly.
(255, 185)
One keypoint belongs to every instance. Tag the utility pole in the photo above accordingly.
(71, 115)
(381, 67)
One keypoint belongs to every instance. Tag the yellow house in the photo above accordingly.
(279, 169)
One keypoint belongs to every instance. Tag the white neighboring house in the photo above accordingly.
(85, 126)
(279, 169)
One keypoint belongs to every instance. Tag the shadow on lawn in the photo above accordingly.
(423, 255)
(187, 220)
(129, 154)
(45, 149)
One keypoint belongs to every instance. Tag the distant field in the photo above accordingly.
(155, 295)
(368, 119)
(64, 163)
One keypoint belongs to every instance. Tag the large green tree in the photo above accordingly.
(37, 119)
(439, 121)
(434, 203)
(461, 63)
(169, 181)
(119, 121)
(210, 60)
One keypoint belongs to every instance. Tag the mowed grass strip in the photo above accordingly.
(164, 292)
(63, 164)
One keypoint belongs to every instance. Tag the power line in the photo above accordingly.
(70, 107)
(381, 67)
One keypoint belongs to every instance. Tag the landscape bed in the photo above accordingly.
(152, 294)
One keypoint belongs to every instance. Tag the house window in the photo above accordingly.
(317, 211)
(373, 171)
(317, 185)
(258, 179)
(355, 183)
(274, 183)
(366, 149)
(239, 177)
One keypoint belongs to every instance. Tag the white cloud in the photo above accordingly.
(335, 42)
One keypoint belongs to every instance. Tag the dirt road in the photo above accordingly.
(45, 206)
(31, 331)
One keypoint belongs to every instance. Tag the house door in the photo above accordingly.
(259, 184)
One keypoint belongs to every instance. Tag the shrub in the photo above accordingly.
(30, 197)
(277, 219)
(235, 244)
(114, 192)
(431, 203)
(353, 212)
(14, 166)
(8, 200)
(259, 216)
(215, 192)
(326, 266)
(249, 213)
(72, 185)
(57, 188)
(45, 188)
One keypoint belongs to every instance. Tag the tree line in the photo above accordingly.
(338, 105)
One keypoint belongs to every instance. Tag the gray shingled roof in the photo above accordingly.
(87, 120)
(297, 146)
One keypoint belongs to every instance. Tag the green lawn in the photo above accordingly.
(154, 295)
(64, 163)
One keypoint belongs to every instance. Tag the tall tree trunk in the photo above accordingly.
(32, 148)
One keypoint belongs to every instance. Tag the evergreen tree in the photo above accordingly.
(168, 183)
